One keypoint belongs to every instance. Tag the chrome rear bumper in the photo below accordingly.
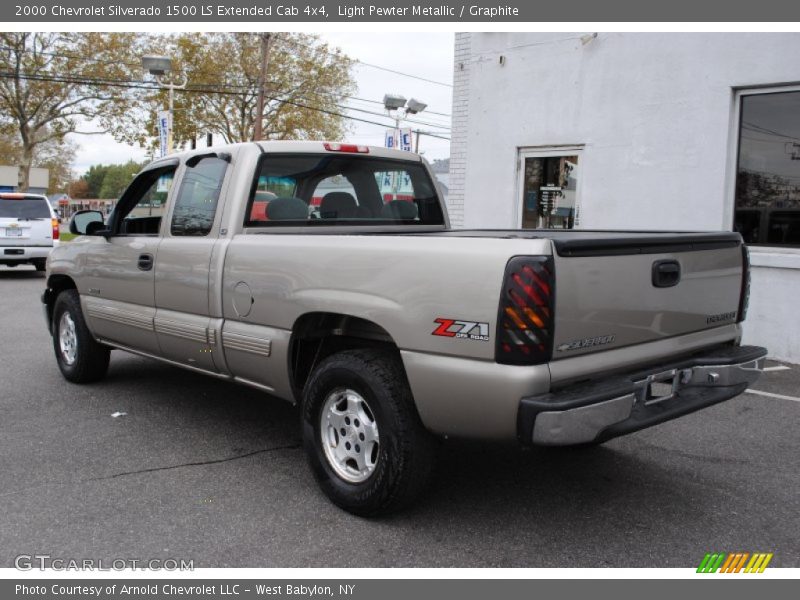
(625, 403)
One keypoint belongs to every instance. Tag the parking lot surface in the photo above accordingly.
(203, 470)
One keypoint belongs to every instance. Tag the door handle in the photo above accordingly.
(145, 262)
(666, 273)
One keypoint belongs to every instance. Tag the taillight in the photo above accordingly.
(525, 319)
(744, 295)
(56, 232)
(336, 147)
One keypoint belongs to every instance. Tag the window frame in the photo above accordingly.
(162, 167)
(524, 152)
(729, 208)
(175, 194)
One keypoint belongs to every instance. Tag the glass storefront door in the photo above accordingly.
(549, 190)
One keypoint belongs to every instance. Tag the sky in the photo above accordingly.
(425, 55)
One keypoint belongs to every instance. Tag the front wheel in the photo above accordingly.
(80, 358)
(364, 439)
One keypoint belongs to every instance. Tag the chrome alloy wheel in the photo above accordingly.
(67, 338)
(349, 435)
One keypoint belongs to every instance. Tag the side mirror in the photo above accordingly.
(86, 222)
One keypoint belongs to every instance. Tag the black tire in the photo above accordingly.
(406, 455)
(90, 360)
(40, 265)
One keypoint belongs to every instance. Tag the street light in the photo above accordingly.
(397, 104)
(159, 66)
(415, 106)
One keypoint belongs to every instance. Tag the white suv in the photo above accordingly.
(28, 229)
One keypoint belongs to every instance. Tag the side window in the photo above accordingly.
(767, 209)
(196, 203)
(143, 204)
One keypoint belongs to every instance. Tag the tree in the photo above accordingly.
(78, 189)
(107, 181)
(55, 155)
(50, 81)
(117, 178)
(306, 82)
(94, 180)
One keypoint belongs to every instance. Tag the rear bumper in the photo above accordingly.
(608, 408)
(22, 254)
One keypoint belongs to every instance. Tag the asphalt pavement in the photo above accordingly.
(200, 469)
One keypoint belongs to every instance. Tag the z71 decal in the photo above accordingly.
(469, 330)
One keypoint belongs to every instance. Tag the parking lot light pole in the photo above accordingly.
(159, 66)
(398, 109)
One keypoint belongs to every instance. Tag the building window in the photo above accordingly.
(549, 190)
(768, 170)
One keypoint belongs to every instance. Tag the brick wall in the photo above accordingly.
(458, 143)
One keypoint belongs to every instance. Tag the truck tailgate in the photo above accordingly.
(615, 290)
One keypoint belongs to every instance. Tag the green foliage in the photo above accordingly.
(109, 181)
(56, 155)
(305, 79)
(53, 80)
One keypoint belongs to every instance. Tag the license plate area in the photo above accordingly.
(13, 232)
(660, 387)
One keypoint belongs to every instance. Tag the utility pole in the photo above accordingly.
(258, 131)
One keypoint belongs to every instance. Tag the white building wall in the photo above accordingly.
(9, 176)
(654, 114)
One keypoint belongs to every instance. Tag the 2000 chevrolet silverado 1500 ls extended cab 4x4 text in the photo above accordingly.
(387, 327)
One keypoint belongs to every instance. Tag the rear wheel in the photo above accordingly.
(364, 439)
(40, 265)
(80, 358)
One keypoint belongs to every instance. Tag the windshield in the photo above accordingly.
(24, 208)
(342, 189)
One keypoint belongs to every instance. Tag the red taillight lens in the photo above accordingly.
(525, 320)
(336, 147)
(744, 296)
(56, 232)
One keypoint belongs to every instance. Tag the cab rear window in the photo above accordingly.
(344, 190)
(24, 208)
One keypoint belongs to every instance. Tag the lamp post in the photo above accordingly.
(399, 108)
(159, 66)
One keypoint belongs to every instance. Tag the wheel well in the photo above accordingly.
(55, 285)
(315, 336)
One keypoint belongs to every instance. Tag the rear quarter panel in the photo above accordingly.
(402, 283)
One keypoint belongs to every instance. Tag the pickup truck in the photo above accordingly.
(389, 329)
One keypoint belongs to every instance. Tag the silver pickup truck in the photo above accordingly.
(327, 275)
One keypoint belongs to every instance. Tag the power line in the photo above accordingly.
(227, 85)
(130, 85)
(194, 88)
(759, 129)
(366, 64)
(374, 66)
